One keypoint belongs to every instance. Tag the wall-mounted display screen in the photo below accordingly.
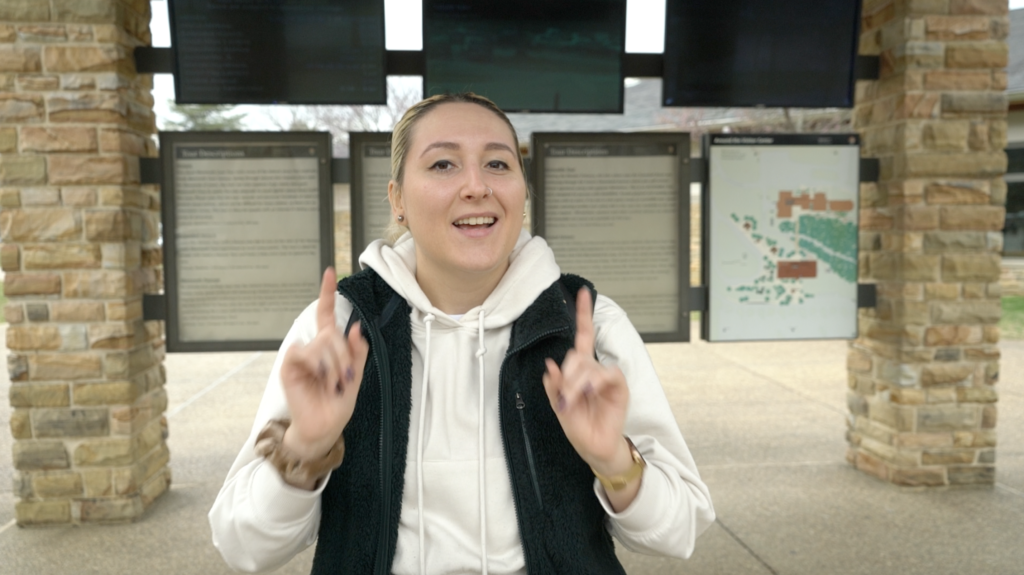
(797, 53)
(615, 209)
(780, 236)
(529, 55)
(278, 51)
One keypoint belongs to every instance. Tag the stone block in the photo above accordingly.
(18, 58)
(113, 336)
(946, 136)
(971, 474)
(38, 82)
(923, 440)
(85, 170)
(910, 312)
(97, 482)
(992, 7)
(8, 140)
(104, 284)
(966, 312)
(78, 197)
(10, 198)
(917, 218)
(103, 58)
(989, 417)
(978, 218)
(948, 418)
(974, 103)
(58, 139)
(89, 107)
(978, 394)
(62, 256)
(24, 10)
(985, 438)
(73, 338)
(125, 480)
(123, 196)
(947, 354)
(19, 284)
(21, 108)
(97, 11)
(984, 267)
(918, 54)
(946, 28)
(17, 370)
(39, 455)
(42, 33)
(944, 242)
(64, 366)
(955, 193)
(33, 337)
(124, 310)
(871, 465)
(111, 226)
(77, 311)
(982, 353)
(970, 165)
(22, 170)
(105, 393)
(978, 137)
(875, 220)
(997, 134)
(858, 360)
(39, 225)
(974, 290)
(7, 33)
(10, 260)
(112, 451)
(149, 438)
(896, 417)
(946, 374)
(919, 476)
(93, 422)
(156, 487)
(14, 313)
(123, 141)
(991, 54)
(108, 510)
(52, 484)
(938, 291)
(40, 197)
(987, 456)
(904, 267)
(21, 424)
(42, 512)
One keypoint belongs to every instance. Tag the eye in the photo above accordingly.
(441, 166)
(497, 165)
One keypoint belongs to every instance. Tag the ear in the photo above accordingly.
(395, 199)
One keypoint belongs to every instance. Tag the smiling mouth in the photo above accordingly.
(474, 223)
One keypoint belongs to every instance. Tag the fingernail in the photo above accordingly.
(338, 388)
(561, 403)
(588, 388)
(350, 374)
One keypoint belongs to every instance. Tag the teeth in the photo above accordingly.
(474, 221)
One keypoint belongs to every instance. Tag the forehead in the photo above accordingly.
(461, 122)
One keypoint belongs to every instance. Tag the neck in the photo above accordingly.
(460, 291)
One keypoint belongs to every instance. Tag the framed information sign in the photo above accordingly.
(780, 236)
(615, 209)
(248, 231)
(371, 172)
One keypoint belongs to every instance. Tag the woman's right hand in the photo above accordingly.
(321, 379)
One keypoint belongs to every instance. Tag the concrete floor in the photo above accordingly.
(765, 422)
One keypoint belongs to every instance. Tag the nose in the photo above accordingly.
(474, 186)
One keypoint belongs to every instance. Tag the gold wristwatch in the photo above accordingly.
(619, 482)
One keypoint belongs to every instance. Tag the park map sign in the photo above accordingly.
(781, 236)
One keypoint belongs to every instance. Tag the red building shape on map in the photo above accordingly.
(797, 270)
(816, 203)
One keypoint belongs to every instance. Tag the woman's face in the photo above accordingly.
(458, 154)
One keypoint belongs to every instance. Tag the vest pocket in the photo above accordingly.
(520, 405)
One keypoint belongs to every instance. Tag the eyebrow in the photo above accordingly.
(454, 146)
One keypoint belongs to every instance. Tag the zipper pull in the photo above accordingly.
(520, 404)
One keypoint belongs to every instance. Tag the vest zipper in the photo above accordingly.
(384, 540)
(520, 404)
(505, 441)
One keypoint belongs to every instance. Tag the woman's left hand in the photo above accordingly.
(590, 399)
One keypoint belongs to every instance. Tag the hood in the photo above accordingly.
(532, 269)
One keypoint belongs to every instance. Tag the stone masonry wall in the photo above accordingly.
(79, 248)
(923, 373)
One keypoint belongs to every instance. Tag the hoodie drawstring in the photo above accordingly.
(428, 320)
(480, 352)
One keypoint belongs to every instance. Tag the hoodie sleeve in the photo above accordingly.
(258, 521)
(673, 505)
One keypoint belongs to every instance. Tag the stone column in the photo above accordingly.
(79, 249)
(923, 373)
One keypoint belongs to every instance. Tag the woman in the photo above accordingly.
(483, 421)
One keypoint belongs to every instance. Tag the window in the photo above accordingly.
(1013, 232)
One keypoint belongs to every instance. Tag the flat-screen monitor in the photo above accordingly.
(797, 53)
(528, 55)
(278, 51)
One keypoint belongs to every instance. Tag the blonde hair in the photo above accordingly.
(401, 139)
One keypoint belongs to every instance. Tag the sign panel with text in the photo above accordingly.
(780, 236)
(615, 209)
(247, 228)
(371, 172)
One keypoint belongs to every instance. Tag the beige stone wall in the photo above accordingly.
(923, 373)
(79, 249)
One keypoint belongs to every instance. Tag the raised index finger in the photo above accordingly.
(325, 305)
(584, 324)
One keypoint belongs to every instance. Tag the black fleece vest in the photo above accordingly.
(561, 523)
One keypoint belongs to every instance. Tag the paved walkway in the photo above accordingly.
(765, 422)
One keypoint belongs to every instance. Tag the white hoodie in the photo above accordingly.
(259, 522)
